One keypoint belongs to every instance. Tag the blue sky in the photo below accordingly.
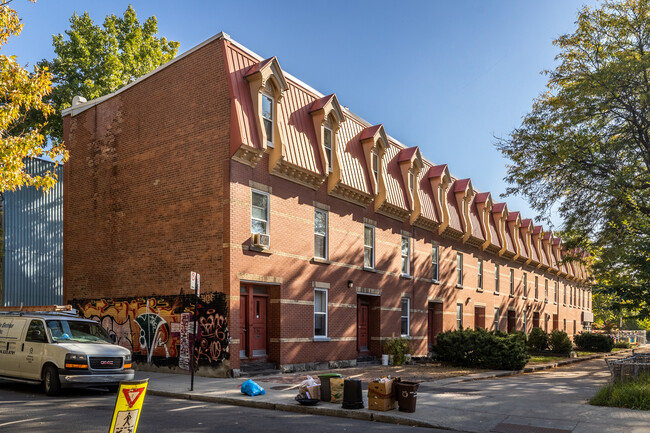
(447, 76)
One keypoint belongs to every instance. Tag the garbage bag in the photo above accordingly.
(251, 388)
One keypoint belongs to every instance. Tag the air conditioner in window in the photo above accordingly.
(261, 240)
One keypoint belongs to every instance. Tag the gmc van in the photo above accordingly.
(60, 350)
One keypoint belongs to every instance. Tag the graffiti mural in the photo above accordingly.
(157, 329)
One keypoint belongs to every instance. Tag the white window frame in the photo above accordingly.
(546, 290)
(435, 262)
(536, 287)
(321, 313)
(459, 315)
(525, 283)
(325, 235)
(497, 318)
(412, 183)
(269, 140)
(268, 211)
(406, 258)
(407, 317)
(479, 276)
(512, 282)
(371, 247)
(564, 298)
(497, 278)
(524, 320)
(459, 269)
(375, 167)
(556, 298)
(329, 149)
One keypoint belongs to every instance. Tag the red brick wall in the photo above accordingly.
(144, 187)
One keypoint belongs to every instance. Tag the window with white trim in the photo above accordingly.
(525, 283)
(327, 143)
(435, 259)
(459, 315)
(536, 287)
(412, 183)
(320, 312)
(406, 255)
(268, 116)
(496, 278)
(368, 246)
(479, 277)
(524, 321)
(405, 318)
(459, 269)
(512, 282)
(496, 318)
(557, 294)
(564, 301)
(320, 234)
(545, 290)
(259, 212)
(375, 167)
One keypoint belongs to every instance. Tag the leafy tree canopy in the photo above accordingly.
(585, 146)
(22, 92)
(93, 60)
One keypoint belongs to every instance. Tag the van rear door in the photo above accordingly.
(11, 333)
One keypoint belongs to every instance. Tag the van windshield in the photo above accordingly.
(77, 331)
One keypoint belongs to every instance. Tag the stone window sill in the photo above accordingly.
(320, 261)
(322, 338)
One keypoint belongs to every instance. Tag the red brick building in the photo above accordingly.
(316, 234)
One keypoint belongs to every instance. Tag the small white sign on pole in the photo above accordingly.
(193, 280)
(198, 285)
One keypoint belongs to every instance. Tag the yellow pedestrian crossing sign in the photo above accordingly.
(128, 406)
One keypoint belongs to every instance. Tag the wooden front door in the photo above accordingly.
(434, 322)
(512, 321)
(258, 326)
(253, 304)
(556, 322)
(479, 317)
(362, 327)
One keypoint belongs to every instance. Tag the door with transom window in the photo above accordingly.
(253, 303)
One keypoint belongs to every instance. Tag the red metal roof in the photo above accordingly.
(318, 104)
(395, 188)
(258, 66)
(498, 207)
(406, 154)
(461, 185)
(437, 170)
(369, 132)
(481, 197)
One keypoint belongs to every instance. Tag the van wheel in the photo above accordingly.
(51, 381)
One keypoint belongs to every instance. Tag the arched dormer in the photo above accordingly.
(464, 193)
(483, 202)
(440, 179)
(410, 165)
(514, 223)
(374, 143)
(267, 86)
(526, 234)
(500, 215)
(327, 116)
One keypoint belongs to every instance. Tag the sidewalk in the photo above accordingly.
(557, 397)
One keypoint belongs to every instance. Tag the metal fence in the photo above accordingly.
(630, 368)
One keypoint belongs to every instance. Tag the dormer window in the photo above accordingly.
(267, 115)
(375, 167)
(327, 143)
(412, 183)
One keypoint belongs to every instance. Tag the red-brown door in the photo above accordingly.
(243, 324)
(362, 327)
(434, 322)
(258, 326)
(556, 322)
(512, 321)
(479, 317)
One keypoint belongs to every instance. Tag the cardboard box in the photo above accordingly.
(382, 404)
(381, 389)
(313, 392)
(336, 389)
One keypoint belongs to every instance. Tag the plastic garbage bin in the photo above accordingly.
(407, 395)
(352, 394)
(325, 390)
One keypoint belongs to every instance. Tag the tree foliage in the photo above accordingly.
(92, 60)
(21, 93)
(585, 146)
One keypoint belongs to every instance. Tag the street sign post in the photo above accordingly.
(195, 282)
(128, 406)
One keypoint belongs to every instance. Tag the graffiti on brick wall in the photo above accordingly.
(152, 327)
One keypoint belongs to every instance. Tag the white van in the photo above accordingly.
(60, 350)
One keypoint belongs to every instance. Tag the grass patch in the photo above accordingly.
(545, 359)
(632, 394)
(586, 353)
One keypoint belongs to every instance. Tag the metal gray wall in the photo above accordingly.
(33, 224)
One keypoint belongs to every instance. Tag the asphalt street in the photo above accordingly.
(25, 408)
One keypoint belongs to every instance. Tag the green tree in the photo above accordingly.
(22, 92)
(585, 147)
(92, 61)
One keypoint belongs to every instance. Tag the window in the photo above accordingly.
(525, 283)
(412, 183)
(320, 234)
(405, 317)
(375, 167)
(496, 318)
(320, 313)
(512, 282)
(406, 255)
(459, 316)
(267, 115)
(435, 257)
(524, 320)
(479, 282)
(368, 247)
(536, 287)
(259, 212)
(564, 329)
(557, 295)
(327, 143)
(459, 269)
(545, 290)
(564, 301)
(496, 278)
(36, 332)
